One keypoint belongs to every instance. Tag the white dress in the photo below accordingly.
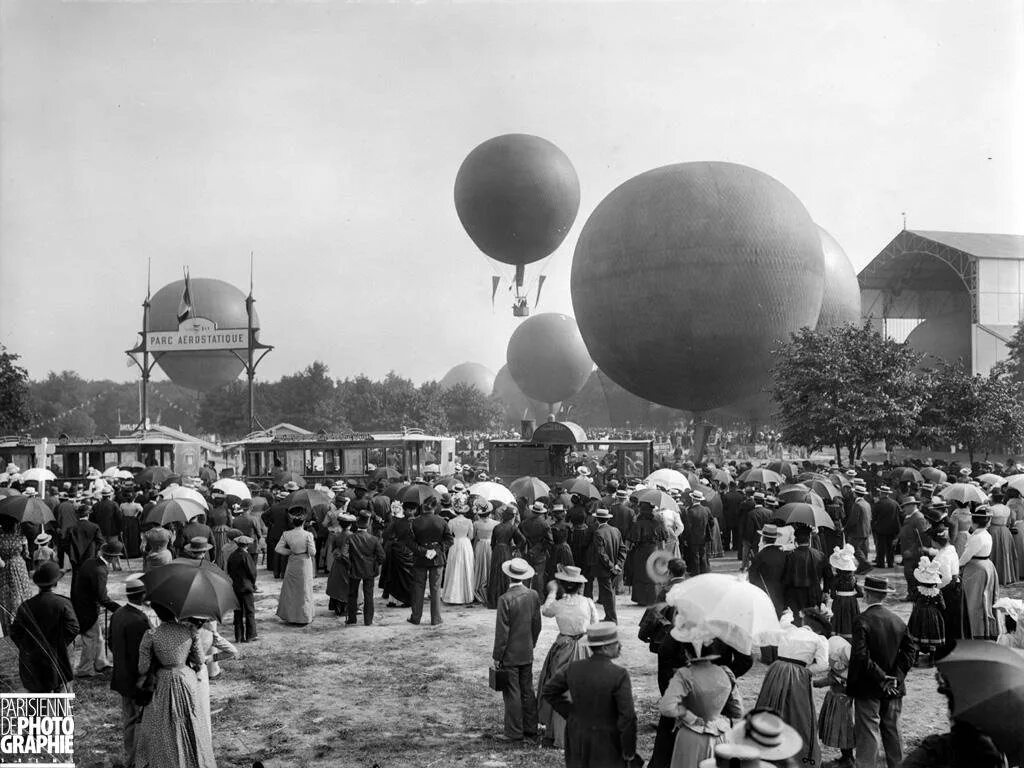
(458, 572)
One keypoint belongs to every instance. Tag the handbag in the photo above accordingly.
(497, 679)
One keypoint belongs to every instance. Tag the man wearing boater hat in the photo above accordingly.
(517, 627)
(882, 654)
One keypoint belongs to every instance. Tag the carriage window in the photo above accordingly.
(57, 464)
(315, 462)
(331, 461)
(293, 461)
(354, 461)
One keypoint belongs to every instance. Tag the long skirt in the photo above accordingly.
(497, 581)
(132, 535)
(337, 585)
(220, 537)
(787, 690)
(980, 585)
(396, 575)
(835, 723)
(481, 568)
(174, 730)
(845, 611)
(1004, 554)
(927, 625)
(295, 604)
(565, 650)
(458, 573)
(691, 748)
(15, 588)
(645, 591)
(715, 548)
(1018, 547)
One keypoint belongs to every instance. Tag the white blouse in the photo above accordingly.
(979, 544)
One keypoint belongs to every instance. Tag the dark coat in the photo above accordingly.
(600, 726)
(607, 551)
(429, 532)
(363, 553)
(127, 626)
(697, 526)
(107, 515)
(89, 591)
(913, 538)
(803, 575)
(757, 518)
(66, 516)
(539, 539)
(881, 648)
(885, 517)
(623, 517)
(276, 520)
(82, 541)
(241, 569)
(766, 572)
(517, 626)
(732, 501)
(858, 520)
(43, 627)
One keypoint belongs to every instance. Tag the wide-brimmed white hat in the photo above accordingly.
(927, 572)
(570, 573)
(843, 558)
(518, 569)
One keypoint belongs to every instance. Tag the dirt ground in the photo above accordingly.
(394, 695)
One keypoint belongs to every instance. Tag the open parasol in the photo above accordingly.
(417, 493)
(492, 492)
(191, 589)
(657, 499)
(933, 475)
(582, 487)
(173, 511)
(808, 514)
(38, 475)
(787, 469)
(233, 487)
(181, 492)
(735, 610)
(26, 509)
(668, 479)
(530, 488)
(155, 476)
(963, 492)
(306, 498)
(763, 476)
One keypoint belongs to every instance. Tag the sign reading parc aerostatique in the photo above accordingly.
(197, 334)
(37, 729)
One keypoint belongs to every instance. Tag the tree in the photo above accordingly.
(1013, 366)
(15, 396)
(469, 410)
(845, 387)
(58, 396)
(971, 410)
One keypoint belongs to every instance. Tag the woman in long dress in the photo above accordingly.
(396, 575)
(482, 529)
(786, 689)
(960, 525)
(701, 698)
(15, 584)
(174, 732)
(338, 533)
(295, 604)
(1004, 553)
(213, 648)
(645, 536)
(1016, 506)
(504, 537)
(573, 613)
(131, 510)
(458, 571)
(979, 581)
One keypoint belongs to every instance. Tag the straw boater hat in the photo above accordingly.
(843, 559)
(583, 471)
(602, 633)
(198, 544)
(602, 514)
(770, 532)
(982, 511)
(538, 508)
(558, 507)
(621, 493)
(878, 584)
(735, 756)
(927, 572)
(291, 486)
(134, 587)
(518, 569)
(696, 496)
(884, 489)
(47, 574)
(243, 540)
(570, 573)
(768, 734)
(43, 539)
(912, 500)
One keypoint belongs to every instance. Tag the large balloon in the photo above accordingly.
(213, 300)
(547, 358)
(686, 276)
(841, 301)
(517, 405)
(473, 374)
(517, 196)
(947, 337)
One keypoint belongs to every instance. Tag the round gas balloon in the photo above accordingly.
(517, 197)
(211, 300)
(471, 374)
(840, 303)
(947, 337)
(517, 405)
(547, 358)
(686, 276)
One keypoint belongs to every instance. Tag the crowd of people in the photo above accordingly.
(542, 555)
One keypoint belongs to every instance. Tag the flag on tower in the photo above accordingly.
(185, 305)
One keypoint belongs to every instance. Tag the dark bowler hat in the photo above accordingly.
(112, 549)
(47, 574)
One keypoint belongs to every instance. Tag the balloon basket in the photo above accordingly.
(521, 310)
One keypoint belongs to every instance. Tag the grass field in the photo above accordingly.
(394, 695)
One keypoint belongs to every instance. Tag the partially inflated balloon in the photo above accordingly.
(841, 301)
(686, 276)
(548, 359)
(212, 300)
(517, 197)
(517, 405)
(472, 374)
(947, 337)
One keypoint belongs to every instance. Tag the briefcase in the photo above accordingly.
(498, 679)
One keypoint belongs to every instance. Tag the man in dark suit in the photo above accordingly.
(364, 555)
(241, 569)
(88, 593)
(599, 712)
(913, 539)
(767, 568)
(276, 521)
(429, 539)
(858, 526)
(127, 626)
(107, 515)
(607, 553)
(757, 515)
(880, 658)
(42, 629)
(732, 534)
(696, 535)
(803, 575)
(885, 524)
(66, 518)
(82, 541)
(539, 543)
(516, 629)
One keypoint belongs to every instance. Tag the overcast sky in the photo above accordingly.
(325, 138)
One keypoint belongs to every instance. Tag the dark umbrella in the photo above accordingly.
(763, 476)
(838, 479)
(191, 589)
(394, 490)
(794, 492)
(582, 487)
(907, 475)
(9, 492)
(282, 476)
(173, 511)
(987, 685)
(155, 476)
(386, 473)
(933, 475)
(825, 489)
(529, 487)
(26, 509)
(307, 499)
(785, 468)
(417, 493)
(808, 514)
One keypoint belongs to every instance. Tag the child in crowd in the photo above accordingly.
(43, 551)
(835, 722)
(927, 625)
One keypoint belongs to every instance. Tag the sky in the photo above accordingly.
(324, 138)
